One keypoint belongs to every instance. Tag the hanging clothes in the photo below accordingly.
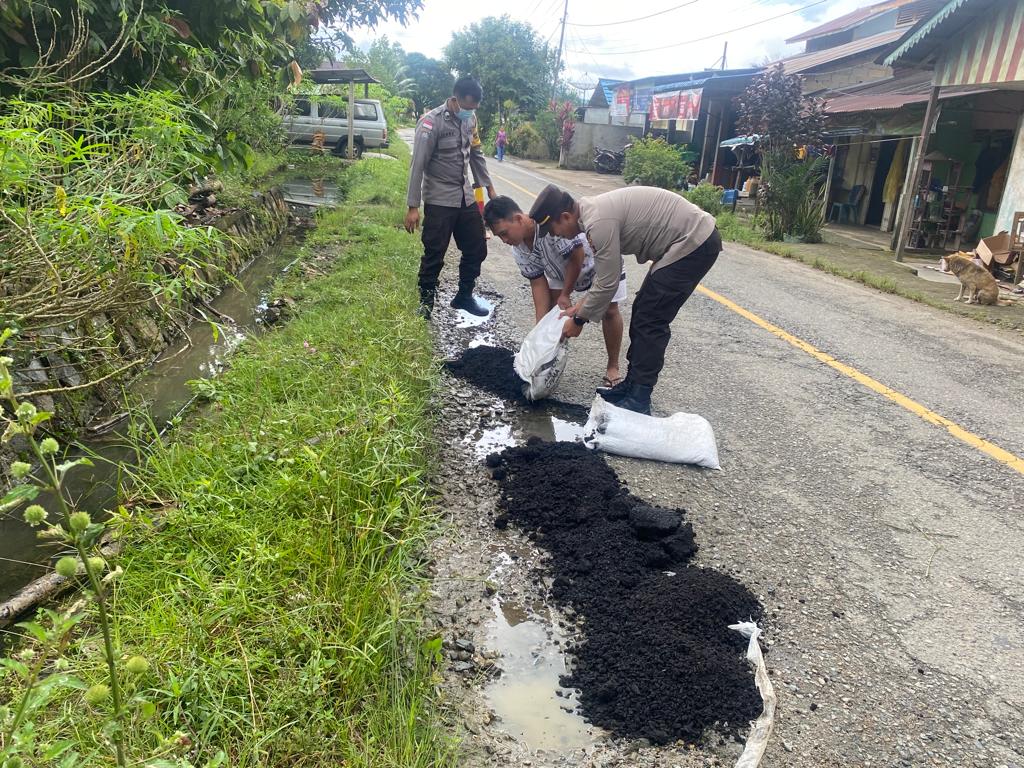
(990, 160)
(898, 169)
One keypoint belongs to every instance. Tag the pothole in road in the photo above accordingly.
(655, 658)
(467, 320)
(535, 423)
(532, 423)
(492, 439)
(482, 339)
(529, 701)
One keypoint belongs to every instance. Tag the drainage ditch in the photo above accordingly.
(162, 392)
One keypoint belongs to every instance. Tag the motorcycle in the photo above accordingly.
(609, 160)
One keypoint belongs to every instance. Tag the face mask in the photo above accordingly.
(466, 114)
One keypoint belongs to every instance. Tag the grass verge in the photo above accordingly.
(280, 605)
(734, 230)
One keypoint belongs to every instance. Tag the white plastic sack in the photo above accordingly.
(682, 438)
(757, 741)
(542, 358)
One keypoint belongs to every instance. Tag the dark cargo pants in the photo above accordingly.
(656, 305)
(440, 222)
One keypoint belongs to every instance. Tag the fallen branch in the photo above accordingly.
(46, 588)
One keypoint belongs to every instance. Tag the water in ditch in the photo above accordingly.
(163, 391)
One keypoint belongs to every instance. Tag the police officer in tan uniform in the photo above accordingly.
(678, 240)
(446, 149)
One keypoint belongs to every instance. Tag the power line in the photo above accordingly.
(638, 18)
(711, 37)
(740, 11)
(586, 49)
(536, 5)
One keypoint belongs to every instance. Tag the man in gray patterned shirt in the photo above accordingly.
(555, 268)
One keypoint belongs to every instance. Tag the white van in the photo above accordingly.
(307, 118)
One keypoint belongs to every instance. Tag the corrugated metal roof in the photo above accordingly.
(851, 19)
(891, 94)
(922, 30)
(806, 61)
(603, 92)
(719, 76)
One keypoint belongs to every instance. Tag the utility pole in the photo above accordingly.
(725, 50)
(561, 42)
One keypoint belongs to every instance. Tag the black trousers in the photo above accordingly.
(656, 305)
(440, 222)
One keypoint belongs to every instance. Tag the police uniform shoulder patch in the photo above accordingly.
(427, 125)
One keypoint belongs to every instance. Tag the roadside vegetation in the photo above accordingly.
(272, 578)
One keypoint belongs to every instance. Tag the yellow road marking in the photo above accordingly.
(513, 184)
(971, 439)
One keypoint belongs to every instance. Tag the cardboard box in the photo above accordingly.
(995, 248)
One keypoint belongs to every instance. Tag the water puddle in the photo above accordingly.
(487, 441)
(527, 698)
(311, 192)
(466, 320)
(536, 423)
(483, 339)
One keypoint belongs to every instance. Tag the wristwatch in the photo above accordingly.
(579, 320)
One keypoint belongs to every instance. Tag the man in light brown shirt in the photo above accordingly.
(656, 225)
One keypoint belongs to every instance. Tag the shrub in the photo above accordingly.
(247, 114)
(550, 131)
(655, 163)
(525, 141)
(707, 197)
(790, 194)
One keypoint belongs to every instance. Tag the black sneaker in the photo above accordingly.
(426, 304)
(637, 400)
(465, 300)
(615, 392)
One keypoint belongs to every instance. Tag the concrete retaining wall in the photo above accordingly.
(588, 136)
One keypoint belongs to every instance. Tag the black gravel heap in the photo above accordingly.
(490, 369)
(656, 659)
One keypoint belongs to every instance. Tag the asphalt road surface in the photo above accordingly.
(869, 495)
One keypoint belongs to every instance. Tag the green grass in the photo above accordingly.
(280, 604)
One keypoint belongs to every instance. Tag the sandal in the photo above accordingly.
(612, 382)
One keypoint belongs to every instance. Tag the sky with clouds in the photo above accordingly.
(601, 41)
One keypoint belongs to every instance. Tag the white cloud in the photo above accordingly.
(616, 51)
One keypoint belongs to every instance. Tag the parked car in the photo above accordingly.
(307, 118)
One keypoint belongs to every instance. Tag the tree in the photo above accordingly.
(198, 44)
(509, 60)
(775, 108)
(315, 49)
(385, 60)
(432, 81)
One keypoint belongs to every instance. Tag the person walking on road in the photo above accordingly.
(679, 239)
(500, 143)
(446, 151)
(555, 268)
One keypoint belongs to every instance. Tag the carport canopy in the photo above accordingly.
(327, 76)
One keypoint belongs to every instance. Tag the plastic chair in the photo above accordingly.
(849, 210)
(730, 197)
